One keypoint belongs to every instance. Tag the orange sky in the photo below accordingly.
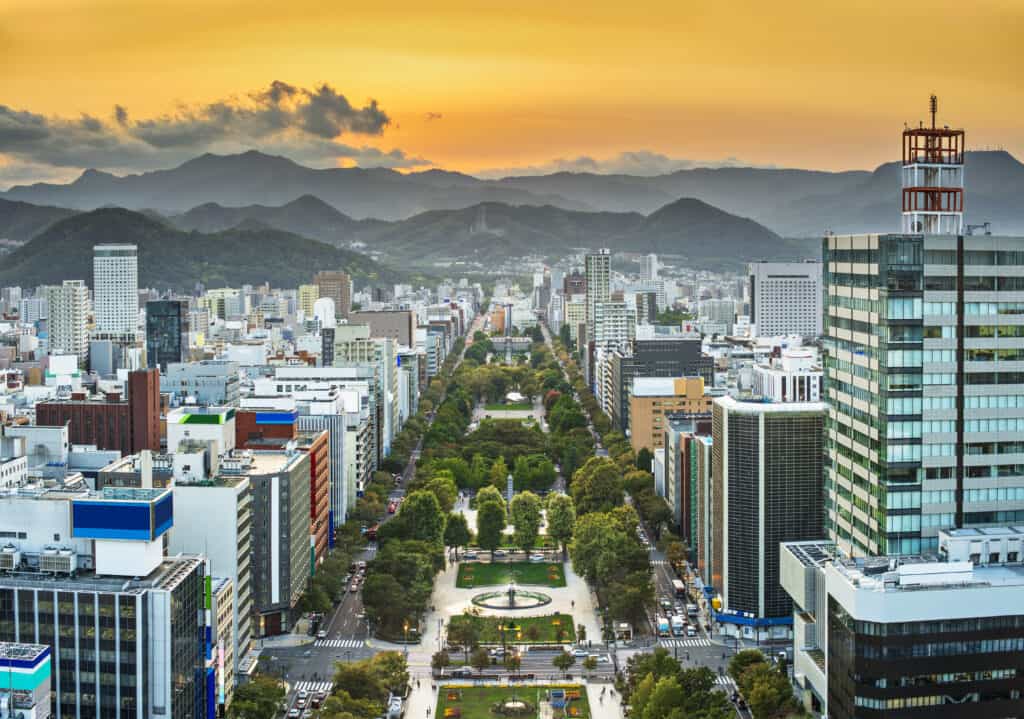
(806, 84)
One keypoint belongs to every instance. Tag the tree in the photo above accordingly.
(490, 525)
(421, 513)
(742, 661)
(675, 553)
(644, 459)
(490, 493)
(480, 659)
(498, 475)
(257, 699)
(561, 516)
(440, 660)
(478, 472)
(392, 670)
(597, 486)
(464, 631)
(590, 663)
(456, 532)
(563, 661)
(664, 700)
(442, 486)
(525, 510)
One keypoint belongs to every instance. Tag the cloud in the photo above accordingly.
(433, 116)
(644, 163)
(302, 123)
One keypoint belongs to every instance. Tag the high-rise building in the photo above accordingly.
(66, 326)
(166, 332)
(766, 489)
(649, 266)
(598, 268)
(338, 287)
(785, 298)
(910, 636)
(925, 407)
(574, 283)
(116, 288)
(308, 295)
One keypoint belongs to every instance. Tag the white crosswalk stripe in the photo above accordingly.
(312, 687)
(695, 642)
(725, 681)
(340, 643)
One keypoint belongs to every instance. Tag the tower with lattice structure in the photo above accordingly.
(933, 178)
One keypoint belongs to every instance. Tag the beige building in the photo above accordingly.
(654, 399)
(308, 294)
(399, 325)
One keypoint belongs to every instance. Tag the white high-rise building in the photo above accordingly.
(785, 298)
(69, 311)
(649, 267)
(598, 272)
(116, 287)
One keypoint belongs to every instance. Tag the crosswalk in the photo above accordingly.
(313, 687)
(340, 643)
(694, 642)
(725, 681)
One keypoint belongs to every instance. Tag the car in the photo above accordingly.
(497, 652)
(691, 631)
(665, 603)
(462, 672)
(303, 694)
(537, 557)
(300, 703)
(321, 634)
(580, 653)
(499, 553)
(354, 587)
(294, 714)
(469, 555)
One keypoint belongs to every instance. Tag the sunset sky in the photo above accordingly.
(487, 86)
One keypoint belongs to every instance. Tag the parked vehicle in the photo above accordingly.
(536, 557)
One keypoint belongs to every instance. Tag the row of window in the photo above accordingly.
(985, 308)
(1010, 424)
(984, 675)
(899, 702)
(995, 494)
(943, 649)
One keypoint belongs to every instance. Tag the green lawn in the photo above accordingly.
(471, 702)
(547, 631)
(488, 574)
(519, 406)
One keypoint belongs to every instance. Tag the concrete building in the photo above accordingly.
(226, 542)
(214, 426)
(649, 266)
(210, 382)
(29, 673)
(86, 576)
(167, 333)
(766, 489)
(653, 355)
(796, 376)
(654, 400)
(112, 422)
(925, 403)
(222, 639)
(399, 325)
(574, 310)
(338, 287)
(598, 269)
(307, 296)
(66, 326)
(915, 636)
(786, 298)
(115, 270)
(719, 313)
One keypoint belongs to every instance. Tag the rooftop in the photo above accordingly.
(925, 573)
(759, 405)
(813, 553)
(166, 576)
(23, 652)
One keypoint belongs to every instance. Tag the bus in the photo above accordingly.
(677, 584)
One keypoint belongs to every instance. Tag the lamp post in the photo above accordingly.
(405, 636)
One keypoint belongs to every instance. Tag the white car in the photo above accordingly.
(536, 557)
(580, 653)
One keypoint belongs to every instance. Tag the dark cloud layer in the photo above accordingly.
(302, 123)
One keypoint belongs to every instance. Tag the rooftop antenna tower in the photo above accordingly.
(933, 178)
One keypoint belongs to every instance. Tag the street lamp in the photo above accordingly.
(405, 635)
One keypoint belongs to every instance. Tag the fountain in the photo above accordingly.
(511, 598)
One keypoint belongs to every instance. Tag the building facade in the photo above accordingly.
(338, 287)
(924, 336)
(68, 307)
(766, 489)
(115, 270)
(167, 331)
(786, 298)
(654, 400)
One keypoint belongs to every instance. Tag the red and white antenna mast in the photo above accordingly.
(933, 178)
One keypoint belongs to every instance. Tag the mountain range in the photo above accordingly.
(172, 258)
(791, 203)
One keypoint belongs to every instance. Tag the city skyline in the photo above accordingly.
(489, 91)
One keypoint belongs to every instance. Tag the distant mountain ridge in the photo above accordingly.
(171, 258)
(792, 203)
